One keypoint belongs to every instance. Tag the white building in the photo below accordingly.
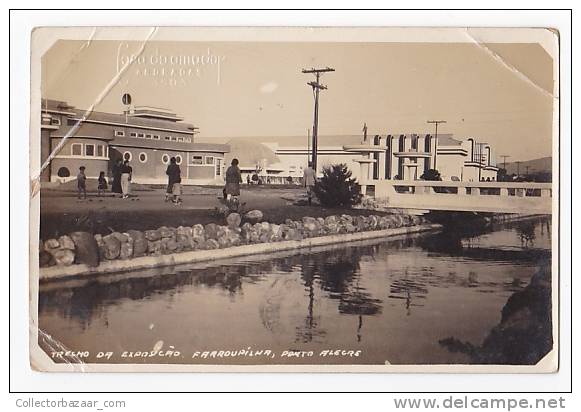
(401, 156)
(408, 156)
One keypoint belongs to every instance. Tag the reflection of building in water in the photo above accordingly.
(148, 137)
(85, 302)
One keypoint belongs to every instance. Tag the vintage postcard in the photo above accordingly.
(294, 199)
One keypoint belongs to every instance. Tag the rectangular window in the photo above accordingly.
(167, 138)
(77, 149)
(218, 167)
(89, 150)
(173, 138)
(148, 136)
(133, 134)
(209, 160)
(180, 139)
(119, 133)
(141, 135)
(155, 137)
(100, 151)
(71, 122)
(55, 120)
(197, 160)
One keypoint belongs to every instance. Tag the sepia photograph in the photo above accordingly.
(294, 199)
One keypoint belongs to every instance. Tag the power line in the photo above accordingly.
(317, 86)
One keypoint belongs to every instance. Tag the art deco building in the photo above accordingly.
(146, 136)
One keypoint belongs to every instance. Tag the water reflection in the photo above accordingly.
(524, 334)
(393, 299)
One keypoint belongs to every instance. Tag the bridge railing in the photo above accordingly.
(478, 196)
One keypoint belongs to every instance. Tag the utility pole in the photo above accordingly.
(504, 157)
(316, 85)
(436, 122)
(308, 145)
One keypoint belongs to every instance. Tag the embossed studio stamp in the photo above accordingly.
(170, 69)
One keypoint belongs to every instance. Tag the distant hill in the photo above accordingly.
(542, 165)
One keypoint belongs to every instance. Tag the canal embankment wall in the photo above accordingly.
(81, 254)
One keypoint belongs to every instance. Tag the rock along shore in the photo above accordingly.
(84, 254)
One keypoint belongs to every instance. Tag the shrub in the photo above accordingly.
(337, 188)
(431, 175)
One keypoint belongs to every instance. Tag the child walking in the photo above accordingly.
(102, 184)
(82, 183)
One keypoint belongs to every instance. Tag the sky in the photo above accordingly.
(238, 89)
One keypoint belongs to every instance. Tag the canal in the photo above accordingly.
(379, 302)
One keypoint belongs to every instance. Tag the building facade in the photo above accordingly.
(148, 137)
(409, 156)
(377, 157)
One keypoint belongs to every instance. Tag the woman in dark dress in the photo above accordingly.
(233, 180)
(174, 176)
(116, 185)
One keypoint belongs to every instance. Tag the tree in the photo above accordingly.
(502, 176)
(336, 188)
(431, 175)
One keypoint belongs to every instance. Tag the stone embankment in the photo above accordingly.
(96, 252)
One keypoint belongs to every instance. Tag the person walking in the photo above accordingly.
(126, 172)
(82, 183)
(174, 180)
(233, 180)
(101, 184)
(309, 179)
(116, 172)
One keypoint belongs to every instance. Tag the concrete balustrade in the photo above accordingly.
(500, 197)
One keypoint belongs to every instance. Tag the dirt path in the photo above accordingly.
(62, 213)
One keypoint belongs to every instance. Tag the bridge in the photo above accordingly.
(494, 197)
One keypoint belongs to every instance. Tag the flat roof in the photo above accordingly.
(145, 117)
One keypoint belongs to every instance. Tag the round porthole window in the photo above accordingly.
(143, 157)
(165, 159)
(63, 172)
(127, 156)
(178, 159)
